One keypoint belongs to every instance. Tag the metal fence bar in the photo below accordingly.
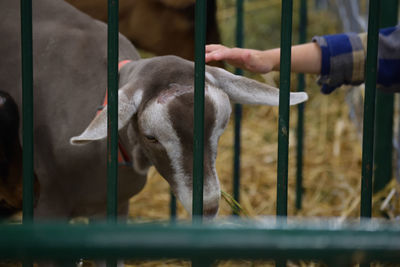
(27, 112)
(112, 111)
(384, 114)
(198, 142)
(369, 108)
(27, 108)
(198, 137)
(172, 206)
(247, 240)
(112, 117)
(283, 124)
(300, 114)
(238, 109)
(283, 127)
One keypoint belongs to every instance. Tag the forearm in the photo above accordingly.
(305, 58)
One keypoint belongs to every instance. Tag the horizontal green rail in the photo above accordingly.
(329, 241)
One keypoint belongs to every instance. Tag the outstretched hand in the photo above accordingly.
(248, 59)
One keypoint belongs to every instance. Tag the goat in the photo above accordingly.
(155, 116)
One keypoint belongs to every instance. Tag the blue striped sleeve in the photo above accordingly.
(339, 52)
(389, 59)
(343, 60)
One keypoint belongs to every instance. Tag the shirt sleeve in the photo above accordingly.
(389, 59)
(343, 59)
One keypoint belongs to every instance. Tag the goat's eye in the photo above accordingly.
(151, 139)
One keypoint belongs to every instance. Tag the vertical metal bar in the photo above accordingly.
(27, 112)
(369, 108)
(384, 114)
(198, 142)
(237, 152)
(283, 124)
(27, 108)
(238, 109)
(300, 114)
(112, 117)
(172, 206)
(283, 127)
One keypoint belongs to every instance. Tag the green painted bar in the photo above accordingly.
(237, 152)
(369, 108)
(201, 262)
(198, 137)
(172, 206)
(238, 109)
(283, 124)
(27, 108)
(300, 114)
(198, 142)
(112, 118)
(329, 240)
(283, 127)
(112, 139)
(27, 113)
(384, 114)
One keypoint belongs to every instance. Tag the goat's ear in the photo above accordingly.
(247, 91)
(97, 128)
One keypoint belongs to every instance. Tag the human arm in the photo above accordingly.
(306, 58)
(338, 59)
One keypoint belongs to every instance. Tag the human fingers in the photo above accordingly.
(216, 55)
(213, 47)
(224, 53)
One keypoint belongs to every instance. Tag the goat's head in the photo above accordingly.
(156, 111)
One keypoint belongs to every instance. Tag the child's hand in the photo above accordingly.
(248, 59)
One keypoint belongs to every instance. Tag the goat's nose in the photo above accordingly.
(210, 210)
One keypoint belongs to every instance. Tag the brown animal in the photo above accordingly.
(10, 159)
(163, 27)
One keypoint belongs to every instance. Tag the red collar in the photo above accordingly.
(123, 63)
(123, 156)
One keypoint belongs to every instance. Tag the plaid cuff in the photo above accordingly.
(343, 58)
(389, 59)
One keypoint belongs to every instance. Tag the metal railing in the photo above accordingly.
(279, 239)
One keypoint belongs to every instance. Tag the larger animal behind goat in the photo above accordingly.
(169, 24)
(11, 160)
(155, 112)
